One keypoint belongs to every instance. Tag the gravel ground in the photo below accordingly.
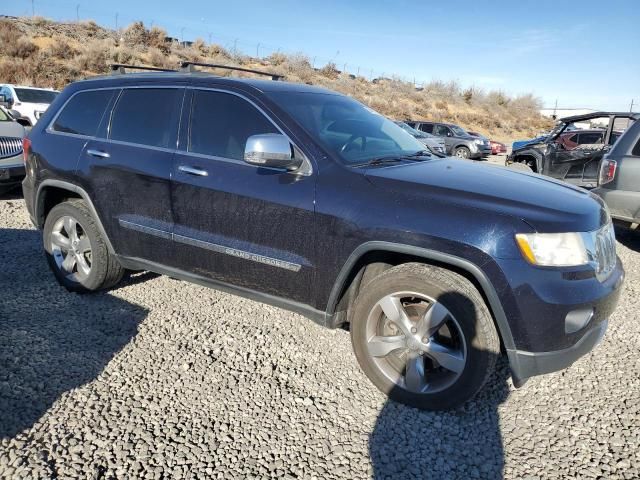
(162, 379)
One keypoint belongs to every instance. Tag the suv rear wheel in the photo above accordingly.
(462, 152)
(424, 336)
(76, 252)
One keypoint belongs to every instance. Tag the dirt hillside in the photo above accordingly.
(44, 53)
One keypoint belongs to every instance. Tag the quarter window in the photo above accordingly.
(83, 113)
(147, 116)
(221, 123)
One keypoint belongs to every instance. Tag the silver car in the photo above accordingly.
(11, 164)
(434, 144)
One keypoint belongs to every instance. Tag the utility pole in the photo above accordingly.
(78, 12)
(33, 8)
(631, 107)
(209, 38)
(258, 51)
(116, 21)
(182, 34)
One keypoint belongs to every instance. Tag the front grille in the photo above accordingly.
(10, 147)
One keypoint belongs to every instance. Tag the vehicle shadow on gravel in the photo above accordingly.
(463, 443)
(628, 238)
(51, 341)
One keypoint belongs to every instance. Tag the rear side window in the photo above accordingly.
(636, 149)
(147, 116)
(222, 122)
(426, 127)
(83, 113)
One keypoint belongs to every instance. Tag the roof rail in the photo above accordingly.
(188, 67)
(120, 68)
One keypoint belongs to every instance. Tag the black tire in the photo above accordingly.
(462, 152)
(463, 301)
(105, 271)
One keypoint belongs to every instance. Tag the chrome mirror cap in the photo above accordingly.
(272, 150)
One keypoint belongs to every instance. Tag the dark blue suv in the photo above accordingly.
(304, 198)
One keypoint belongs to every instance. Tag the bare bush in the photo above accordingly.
(136, 35)
(61, 49)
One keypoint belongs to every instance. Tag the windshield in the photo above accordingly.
(33, 95)
(346, 128)
(458, 131)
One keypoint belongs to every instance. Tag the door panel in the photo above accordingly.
(247, 226)
(129, 173)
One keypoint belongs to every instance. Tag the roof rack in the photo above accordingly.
(120, 68)
(188, 66)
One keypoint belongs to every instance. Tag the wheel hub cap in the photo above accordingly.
(416, 342)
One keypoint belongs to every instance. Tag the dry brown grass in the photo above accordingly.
(44, 53)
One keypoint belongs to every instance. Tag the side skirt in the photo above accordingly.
(319, 317)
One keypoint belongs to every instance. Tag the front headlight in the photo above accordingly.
(479, 141)
(553, 249)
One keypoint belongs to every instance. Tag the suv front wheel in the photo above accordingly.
(424, 336)
(76, 252)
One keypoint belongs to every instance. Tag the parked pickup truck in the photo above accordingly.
(306, 199)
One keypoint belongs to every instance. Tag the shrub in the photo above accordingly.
(61, 49)
(136, 35)
(330, 71)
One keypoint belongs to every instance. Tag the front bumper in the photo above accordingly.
(529, 364)
(562, 316)
(11, 170)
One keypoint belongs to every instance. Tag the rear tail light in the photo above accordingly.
(607, 171)
(26, 149)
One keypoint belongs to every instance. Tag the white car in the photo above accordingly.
(29, 101)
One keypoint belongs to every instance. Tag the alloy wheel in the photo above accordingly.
(415, 342)
(71, 248)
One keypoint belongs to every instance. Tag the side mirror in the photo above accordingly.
(15, 114)
(271, 150)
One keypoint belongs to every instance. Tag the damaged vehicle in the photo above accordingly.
(574, 161)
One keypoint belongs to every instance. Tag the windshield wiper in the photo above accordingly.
(393, 159)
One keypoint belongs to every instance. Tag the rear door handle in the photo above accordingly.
(193, 170)
(98, 153)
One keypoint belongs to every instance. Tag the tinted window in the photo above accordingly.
(32, 95)
(350, 131)
(221, 124)
(441, 130)
(636, 149)
(590, 138)
(82, 114)
(148, 116)
(426, 127)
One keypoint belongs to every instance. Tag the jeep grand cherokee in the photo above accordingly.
(303, 198)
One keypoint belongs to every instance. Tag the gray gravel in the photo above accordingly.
(163, 379)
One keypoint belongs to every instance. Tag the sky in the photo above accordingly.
(582, 54)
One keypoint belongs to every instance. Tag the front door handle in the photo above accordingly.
(98, 153)
(193, 170)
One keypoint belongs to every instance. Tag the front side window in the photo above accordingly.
(147, 116)
(82, 114)
(442, 131)
(346, 128)
(221, 123)
(458, 131)
(34, 95)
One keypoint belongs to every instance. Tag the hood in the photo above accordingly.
(11, 129)
(521, 143)
(545, 204)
